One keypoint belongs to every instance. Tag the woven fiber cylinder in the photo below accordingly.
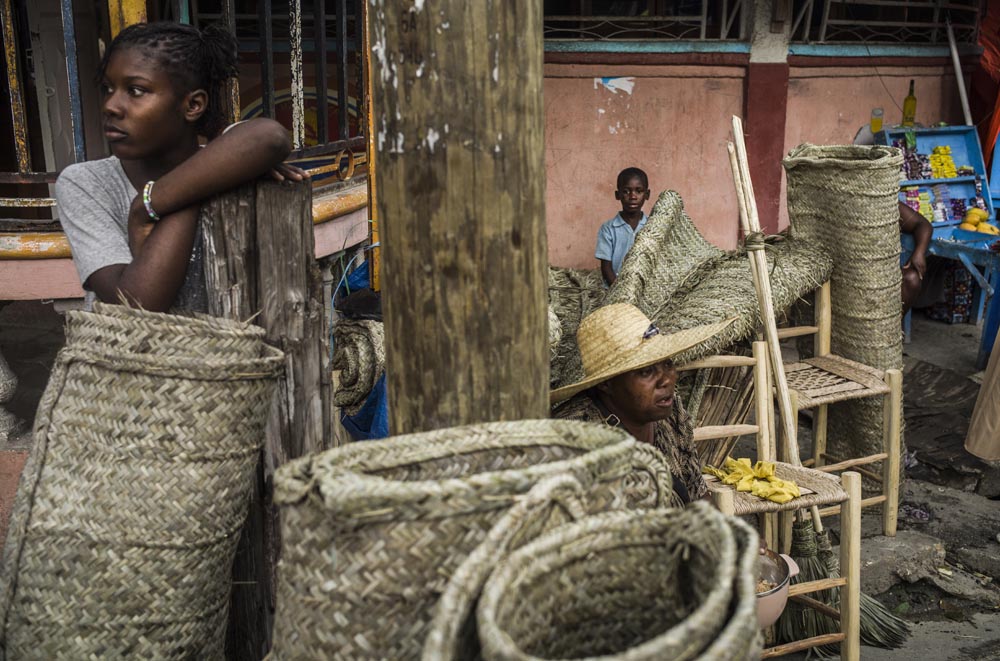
(372, 532)
(129, 508)
(845, 198)
(657, 584)
(359, 354)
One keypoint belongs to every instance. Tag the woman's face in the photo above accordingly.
(643, 395)
(144, 115)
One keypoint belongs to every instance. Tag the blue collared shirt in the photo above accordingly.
(615, 238)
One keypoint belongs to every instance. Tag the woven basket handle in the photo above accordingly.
(524, 521)
(648, 460)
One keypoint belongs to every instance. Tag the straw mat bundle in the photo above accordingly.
(845, 199)
(129, 509)
(359, 354)
(372, 532)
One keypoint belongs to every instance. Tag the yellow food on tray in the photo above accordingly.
(758, 479)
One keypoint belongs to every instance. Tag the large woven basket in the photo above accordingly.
(129, 509)
(659, 584)
(845, 198)
(372, 532)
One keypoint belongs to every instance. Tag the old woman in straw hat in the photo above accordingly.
(629, 382)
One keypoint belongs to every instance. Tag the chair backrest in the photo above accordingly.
(763, 412)
(820, 330)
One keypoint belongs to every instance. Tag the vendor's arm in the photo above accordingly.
(244, 152)
(160, 250)
(608, 272)
(605, 251)
(911, 222)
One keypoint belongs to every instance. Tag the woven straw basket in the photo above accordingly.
(659, 584)
(372, 532)
(129, 509)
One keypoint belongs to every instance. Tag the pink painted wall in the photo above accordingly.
(827, 105)
(674, 125)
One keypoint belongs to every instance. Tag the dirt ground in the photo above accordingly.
(945, 581)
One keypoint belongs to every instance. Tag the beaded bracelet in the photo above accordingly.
(147, 192)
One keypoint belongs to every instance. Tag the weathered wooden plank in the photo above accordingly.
(293, 313)
(260, 265)
(457, 97)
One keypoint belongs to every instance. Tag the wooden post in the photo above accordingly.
(891, 428)
(821, 347)
(457, 101)
(850, 567)
(260, 265)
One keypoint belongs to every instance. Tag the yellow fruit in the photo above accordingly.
(986, 228)
(967, 226)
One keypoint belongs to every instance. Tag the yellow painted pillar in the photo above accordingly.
(124, 13)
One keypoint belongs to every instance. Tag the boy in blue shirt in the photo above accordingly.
(616, 236)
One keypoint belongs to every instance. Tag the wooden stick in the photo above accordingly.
(890, 467)
(866, 502)
(860, 461)
(829, 611)
(850, 567)
(713, 432)
(718, 361)
(762, 400)
(797, 331)
(816, 586)
(799, 645)
(762, 285)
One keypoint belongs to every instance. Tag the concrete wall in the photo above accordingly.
(674, 125)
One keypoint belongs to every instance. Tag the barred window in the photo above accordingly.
(886, 21)
(608, 20)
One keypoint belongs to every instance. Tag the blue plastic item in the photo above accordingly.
(372, 420)
(965, 150)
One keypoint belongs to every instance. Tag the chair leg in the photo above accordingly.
(850, 567)
(725, 501)
(819, 434)
(892, 444)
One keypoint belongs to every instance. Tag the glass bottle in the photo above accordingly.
(909, 107)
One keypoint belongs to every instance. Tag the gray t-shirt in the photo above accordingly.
(94, 200)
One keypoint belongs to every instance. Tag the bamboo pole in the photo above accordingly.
(762, 401)
(750, 224)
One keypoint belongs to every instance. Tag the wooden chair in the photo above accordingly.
(826, 378)
(844, 495)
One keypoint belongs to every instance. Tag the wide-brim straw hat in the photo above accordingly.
(619, 338)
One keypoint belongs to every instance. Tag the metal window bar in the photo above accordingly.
(342, 100)
(894, 21)
(322, 111)
(264, 10)
(298, 93)
(658, 25)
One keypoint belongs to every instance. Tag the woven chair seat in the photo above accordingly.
(828, 379)
(825, 487)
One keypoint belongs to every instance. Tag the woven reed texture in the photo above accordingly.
(845, 199)
(555, 334)
(655, 584)
(573, 294)
(828, 379)
(129, 509)
(826, 491)
(372, 532)
(359, 354)
(553, 501)
(667, 256)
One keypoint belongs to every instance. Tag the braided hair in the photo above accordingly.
(195, 59)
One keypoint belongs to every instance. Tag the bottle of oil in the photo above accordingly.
(909, 107)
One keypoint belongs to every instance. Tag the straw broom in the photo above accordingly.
(878, 626)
